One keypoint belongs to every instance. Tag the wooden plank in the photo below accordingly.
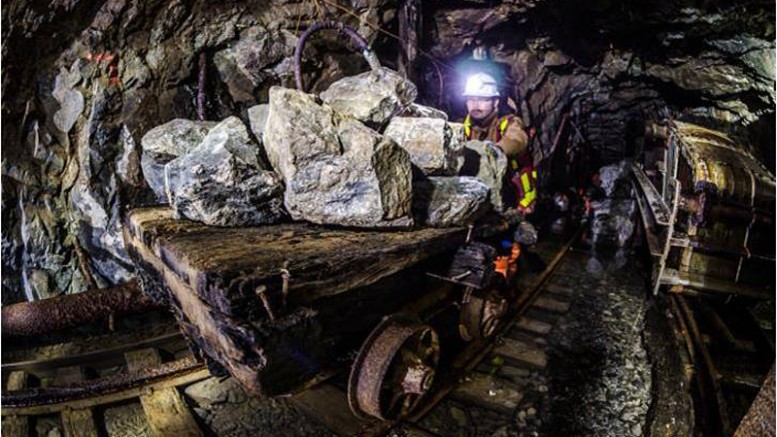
(17, 380)
(13, 425)
(329, 405)
(559, 289)
(552, 305)
(220, 347)
(522, 352)
(224, 266)
(16, 426)
(166, 411)
(534, 326)
(265, 355)
(79, 423)
(489, 392)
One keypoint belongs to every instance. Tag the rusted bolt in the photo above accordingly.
(261, 292)
(286, 275)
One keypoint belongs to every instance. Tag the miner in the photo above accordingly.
(484, 123)
(506, 131)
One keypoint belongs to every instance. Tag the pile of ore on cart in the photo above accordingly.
(284, 237)
(362, 154)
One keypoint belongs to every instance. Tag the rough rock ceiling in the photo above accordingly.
(83, 81)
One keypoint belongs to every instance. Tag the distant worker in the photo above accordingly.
(484, 123)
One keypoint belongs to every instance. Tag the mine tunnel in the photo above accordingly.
(388, 218)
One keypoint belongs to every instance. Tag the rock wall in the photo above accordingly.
(611, 65)
(84, 81)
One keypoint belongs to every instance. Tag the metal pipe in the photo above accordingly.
(357, 39)
(101, 387)
(38, 317)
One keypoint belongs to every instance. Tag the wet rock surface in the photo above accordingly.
(433, 146)
(489, 164)
(449, 200)
(614, 217)
(220, 183)
(165, 143)
(596, 378)
(599, 373)
(372, 97)
(337, 171)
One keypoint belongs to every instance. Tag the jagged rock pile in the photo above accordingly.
(329, 163)
(211, 172)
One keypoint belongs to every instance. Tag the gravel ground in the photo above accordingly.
(228, 412)
(597, 381)
(598, 368)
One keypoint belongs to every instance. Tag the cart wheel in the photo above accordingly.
(394, 368)
(481, 316)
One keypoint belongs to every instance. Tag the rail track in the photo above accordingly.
(727, 354)
(516, 346)
(77, 376)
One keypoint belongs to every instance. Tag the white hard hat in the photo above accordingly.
(481, 85)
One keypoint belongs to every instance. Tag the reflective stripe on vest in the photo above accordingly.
(502, 127)
(529, 190)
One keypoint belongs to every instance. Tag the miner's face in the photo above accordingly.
(480, 108)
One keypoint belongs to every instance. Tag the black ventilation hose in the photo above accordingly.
(360, 42)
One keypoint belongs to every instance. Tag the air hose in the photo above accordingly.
(357, 39)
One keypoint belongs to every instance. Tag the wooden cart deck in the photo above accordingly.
(210, 277)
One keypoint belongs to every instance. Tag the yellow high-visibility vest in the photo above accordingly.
(528, 183)
(528, 180)
(468, 127)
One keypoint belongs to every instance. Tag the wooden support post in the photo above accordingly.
(166, 411)
(78, 422)
(16, 426)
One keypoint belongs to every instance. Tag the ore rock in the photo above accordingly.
(337, 171)
(221, 182)
(257, 119)
(442, 201)
(488, 163)
(163, 144)
(433, 146)
(372, 97)
(416, 110)
(259, 56)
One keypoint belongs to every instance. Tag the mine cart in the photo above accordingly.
(281, 307)
(708, 207)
